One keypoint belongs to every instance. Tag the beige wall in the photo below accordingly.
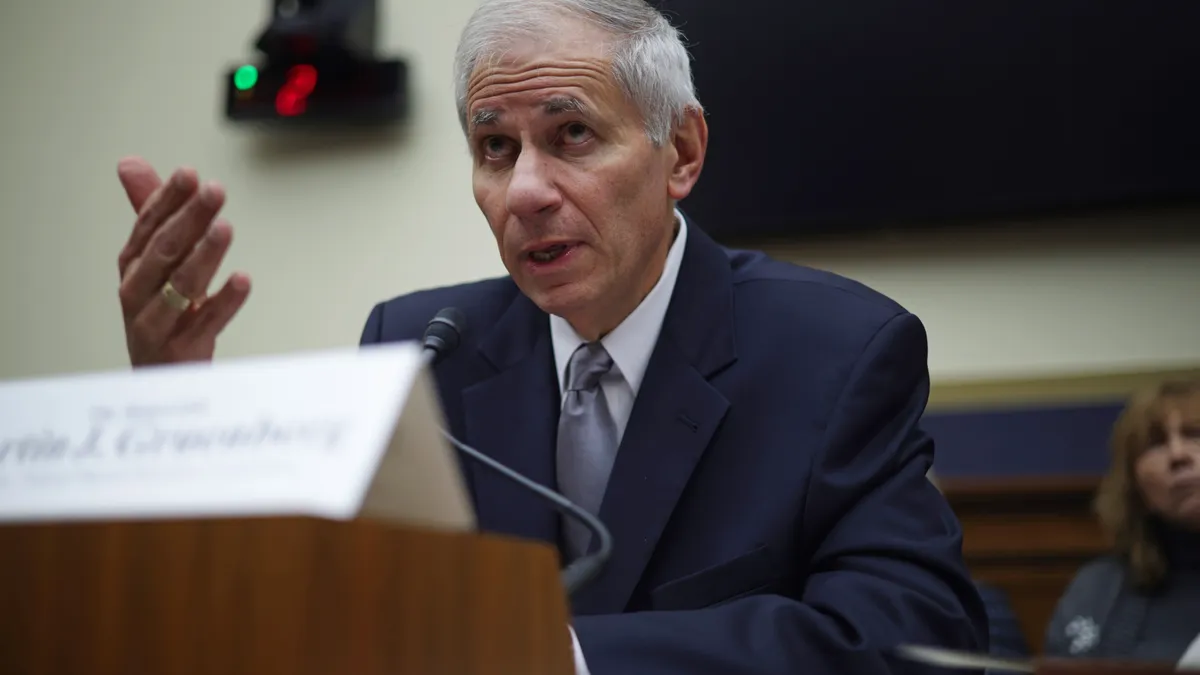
(328, 226)
(1048, 298)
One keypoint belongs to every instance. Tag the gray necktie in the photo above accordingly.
(587, 439)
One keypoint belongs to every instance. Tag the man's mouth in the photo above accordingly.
(549, 254)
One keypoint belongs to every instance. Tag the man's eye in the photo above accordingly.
(495, 146)
(575, 133)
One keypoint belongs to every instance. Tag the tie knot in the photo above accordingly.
(588, 364)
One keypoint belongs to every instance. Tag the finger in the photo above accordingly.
(156, 209)
(160, 318)
(139, 179)
(170, 244)
(193, 277)
(216, 312)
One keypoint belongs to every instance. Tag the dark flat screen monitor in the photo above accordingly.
(852, 115)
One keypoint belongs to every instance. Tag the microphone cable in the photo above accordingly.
(442, 336)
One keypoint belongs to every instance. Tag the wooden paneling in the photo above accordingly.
(1028, 537)
(267, 596)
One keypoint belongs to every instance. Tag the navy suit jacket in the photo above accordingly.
(1004, 630)
(768, 503)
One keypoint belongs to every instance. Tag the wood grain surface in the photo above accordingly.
(279, 595)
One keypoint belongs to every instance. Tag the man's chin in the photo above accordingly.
(564, 300)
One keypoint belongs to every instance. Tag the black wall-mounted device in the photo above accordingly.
(317, 67)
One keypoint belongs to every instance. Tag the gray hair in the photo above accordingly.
(649, 60)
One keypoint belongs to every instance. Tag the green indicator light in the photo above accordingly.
(245, 77)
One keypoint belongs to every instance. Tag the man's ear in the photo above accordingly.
(690, 141)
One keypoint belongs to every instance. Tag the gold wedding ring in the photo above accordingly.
(176, 300)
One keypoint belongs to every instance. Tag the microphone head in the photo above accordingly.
(444, 331)
(453, 317)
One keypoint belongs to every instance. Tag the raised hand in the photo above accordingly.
(168, 264)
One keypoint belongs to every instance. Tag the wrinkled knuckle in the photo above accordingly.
(147, 220)
(210, 249)
(167, 249)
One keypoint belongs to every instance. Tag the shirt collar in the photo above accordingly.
(632, 342)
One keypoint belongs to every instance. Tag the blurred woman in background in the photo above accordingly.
(1142, 602)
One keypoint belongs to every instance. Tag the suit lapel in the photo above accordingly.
(512, 417)
(676, 413)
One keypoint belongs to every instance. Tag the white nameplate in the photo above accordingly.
(1191, 657)
(334, 435)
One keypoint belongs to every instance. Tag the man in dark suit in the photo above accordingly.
(768, 500)
(747, 429)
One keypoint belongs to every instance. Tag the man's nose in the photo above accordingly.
(531, 189)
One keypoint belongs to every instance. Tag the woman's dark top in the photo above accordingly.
(1102, 616)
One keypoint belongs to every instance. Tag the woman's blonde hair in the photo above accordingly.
(1120, 505)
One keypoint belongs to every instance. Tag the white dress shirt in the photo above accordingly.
(630, 345)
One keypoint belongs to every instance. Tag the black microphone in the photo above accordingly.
(442, 336)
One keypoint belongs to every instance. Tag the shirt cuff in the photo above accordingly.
(580, 664)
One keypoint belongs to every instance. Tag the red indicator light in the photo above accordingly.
(292, 98)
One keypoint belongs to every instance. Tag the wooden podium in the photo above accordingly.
(260, 596)
(1102, 667)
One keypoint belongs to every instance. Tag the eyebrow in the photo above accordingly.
(485, 117)
(553, 106)
(564, 104)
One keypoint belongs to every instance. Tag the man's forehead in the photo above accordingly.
(544, 86)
